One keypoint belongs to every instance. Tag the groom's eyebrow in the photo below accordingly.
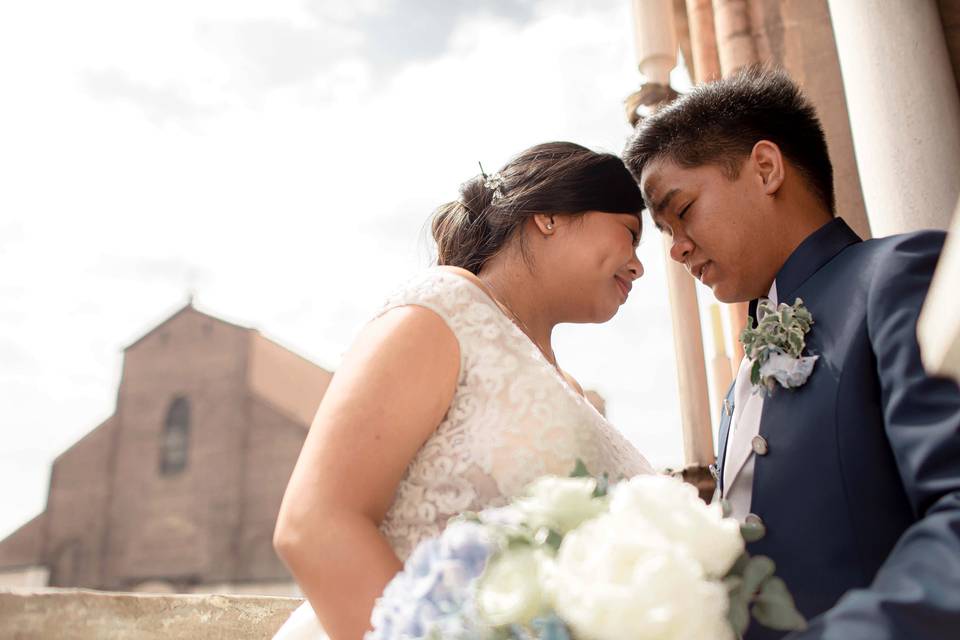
(658, 207)
(664, 202)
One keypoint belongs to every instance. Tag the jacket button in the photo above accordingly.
(760, 446)
(753, 528)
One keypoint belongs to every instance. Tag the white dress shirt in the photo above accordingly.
(744, 427)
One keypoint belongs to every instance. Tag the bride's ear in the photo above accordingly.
(767, 161)
(545, 223)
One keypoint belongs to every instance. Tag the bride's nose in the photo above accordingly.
(635, 267)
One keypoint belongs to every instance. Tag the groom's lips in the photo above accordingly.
(699, 270)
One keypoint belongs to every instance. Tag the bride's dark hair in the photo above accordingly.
(560, 178)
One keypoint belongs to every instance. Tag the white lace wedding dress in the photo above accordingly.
(513, 418)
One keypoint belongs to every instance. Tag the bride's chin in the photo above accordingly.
(606, 315)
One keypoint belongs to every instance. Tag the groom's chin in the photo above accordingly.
(727, 295)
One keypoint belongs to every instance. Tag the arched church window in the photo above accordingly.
(176, 437)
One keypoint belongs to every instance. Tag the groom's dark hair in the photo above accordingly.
(720, 122)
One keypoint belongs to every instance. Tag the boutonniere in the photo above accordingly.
(775, 345)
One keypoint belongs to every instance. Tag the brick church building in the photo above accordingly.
(179, 489)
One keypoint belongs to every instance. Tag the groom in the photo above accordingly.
(855, 475)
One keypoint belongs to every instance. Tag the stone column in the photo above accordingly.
(691, 364)
(950, 15)
(798, 36)
(734, 36)
(939, 327)
(656, 56)
(703, 41)
(904, 111)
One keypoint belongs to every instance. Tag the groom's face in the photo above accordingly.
(717, 224)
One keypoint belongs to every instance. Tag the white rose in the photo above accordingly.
(617, 579)
(673, 508)
(510, 591)
(561, 504)
(790, 372)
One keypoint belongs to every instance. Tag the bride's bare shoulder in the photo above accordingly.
(460, 271)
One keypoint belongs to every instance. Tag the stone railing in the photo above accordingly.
(97, 615)
(939, 326)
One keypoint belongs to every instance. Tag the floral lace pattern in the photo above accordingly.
(513, 418)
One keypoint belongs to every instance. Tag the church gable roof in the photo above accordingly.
(23, 547)
(188, 308)
(287, 381)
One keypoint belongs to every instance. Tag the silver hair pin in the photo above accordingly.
(494, 182)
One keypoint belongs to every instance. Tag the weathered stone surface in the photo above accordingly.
(93, 615)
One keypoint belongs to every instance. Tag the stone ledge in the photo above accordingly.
(938, 329)
(88, 615)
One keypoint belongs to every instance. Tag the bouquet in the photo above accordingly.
(578, 559)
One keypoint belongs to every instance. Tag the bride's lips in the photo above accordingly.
(625, 286)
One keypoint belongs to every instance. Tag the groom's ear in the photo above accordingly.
(768, 164)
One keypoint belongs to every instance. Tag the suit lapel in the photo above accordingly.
(726, 416)
(740, 438)
(814, 252)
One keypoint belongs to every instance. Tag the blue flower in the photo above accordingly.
(432, 596)
(551, 627)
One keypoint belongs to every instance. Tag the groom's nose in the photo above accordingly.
(681, 248)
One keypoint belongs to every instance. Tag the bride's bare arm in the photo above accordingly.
(388, 396)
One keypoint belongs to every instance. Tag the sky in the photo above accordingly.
(280, 161)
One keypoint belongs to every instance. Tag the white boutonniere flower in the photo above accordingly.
(775, 346)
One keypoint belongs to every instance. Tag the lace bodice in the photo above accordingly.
(513, 418)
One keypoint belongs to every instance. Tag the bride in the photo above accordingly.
(451, 399)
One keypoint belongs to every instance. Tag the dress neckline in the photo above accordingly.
(474, 281)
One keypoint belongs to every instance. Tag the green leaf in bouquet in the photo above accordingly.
(738, 614)
(727, 508)
(774, 607)
(786, 316)
(468, 516)
(740, 565)
(733, 583)
(796, 343)
(580, 470)
(752, 531)
(516, 539)
(758, 570)
(603, 486)
(548, 537)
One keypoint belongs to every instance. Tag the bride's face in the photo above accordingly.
(594, 256)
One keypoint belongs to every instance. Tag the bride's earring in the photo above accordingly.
(549, 227)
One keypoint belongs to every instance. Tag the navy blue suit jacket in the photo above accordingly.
(860, 488)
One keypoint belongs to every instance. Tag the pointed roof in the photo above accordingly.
(286, 380)
(184, 309)
(24, 547)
